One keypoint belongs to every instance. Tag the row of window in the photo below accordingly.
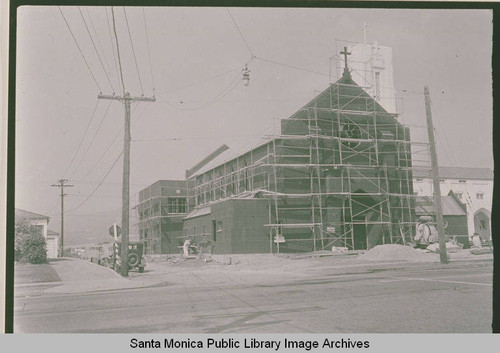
(460, 195)
(461, 181)
(175, 205)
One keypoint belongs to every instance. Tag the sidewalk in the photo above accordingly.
(79, 276)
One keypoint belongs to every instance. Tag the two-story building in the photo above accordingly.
(161, 208)
(472, 186)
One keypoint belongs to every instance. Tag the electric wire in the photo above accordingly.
(109, 146)
(292, 66)
(117, 49)
(95, 48)
(80, 50)
(112, 46)
(218, 97)
(149, 51)
(92, 140)
(101, 47)
(100, 183)
(203, 81)
(241, 34)
(133, 51)
(83, 138)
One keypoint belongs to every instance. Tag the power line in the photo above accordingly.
(107, 149)
(97, 52)
(112, 46)
(133, 51)
(241, 34)
(205, 80)
(79, 49)
(100, 183)
(83, 137)
(93, 138)
(149, 52)
(218, 97)
(292, 66)
(101, 47)
(117, 48)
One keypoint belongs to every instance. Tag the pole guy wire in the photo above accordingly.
(79, 49)
(133, 50)
(95, 48)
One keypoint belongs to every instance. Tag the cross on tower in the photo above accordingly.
(345, 53)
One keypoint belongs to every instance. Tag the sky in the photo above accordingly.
(191, 60)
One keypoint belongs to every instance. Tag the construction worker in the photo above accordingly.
(426, 232)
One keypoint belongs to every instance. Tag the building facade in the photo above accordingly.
(472, 186)
(161, 208)
(339, 174)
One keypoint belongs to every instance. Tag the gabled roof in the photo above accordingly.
(344, 94)
(52, 233)
(457, 173)
(29, 215)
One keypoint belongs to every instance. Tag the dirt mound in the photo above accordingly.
(395, 252)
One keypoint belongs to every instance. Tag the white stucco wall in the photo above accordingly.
(468, 189)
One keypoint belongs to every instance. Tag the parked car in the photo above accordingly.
(135, 257)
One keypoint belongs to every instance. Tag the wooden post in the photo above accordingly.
(435, 179)
(62, 185)
(126, 100)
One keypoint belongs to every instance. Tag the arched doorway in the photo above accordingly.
(482, 223)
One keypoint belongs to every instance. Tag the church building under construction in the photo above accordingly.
(338, 174)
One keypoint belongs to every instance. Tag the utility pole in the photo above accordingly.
(62, 185)
(435, 179)
(126, 99)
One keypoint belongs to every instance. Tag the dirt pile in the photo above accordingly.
(395, 252)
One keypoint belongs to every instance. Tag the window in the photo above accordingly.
(442, 180)
(419, 179)
(177, 205)
(463, 181)
(479, 196)
(459, 195)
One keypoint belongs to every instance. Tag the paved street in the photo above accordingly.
(320, 298)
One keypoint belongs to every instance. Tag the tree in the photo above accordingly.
(30, 245)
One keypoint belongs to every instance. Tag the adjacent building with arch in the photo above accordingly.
(472, 186)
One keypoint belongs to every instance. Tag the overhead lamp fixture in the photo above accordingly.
(246, 76)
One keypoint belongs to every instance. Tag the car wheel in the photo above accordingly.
(133, 259)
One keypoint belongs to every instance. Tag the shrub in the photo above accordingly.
(30, 245)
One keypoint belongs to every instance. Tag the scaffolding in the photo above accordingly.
(339, 174)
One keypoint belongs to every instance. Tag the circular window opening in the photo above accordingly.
(350, 131)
